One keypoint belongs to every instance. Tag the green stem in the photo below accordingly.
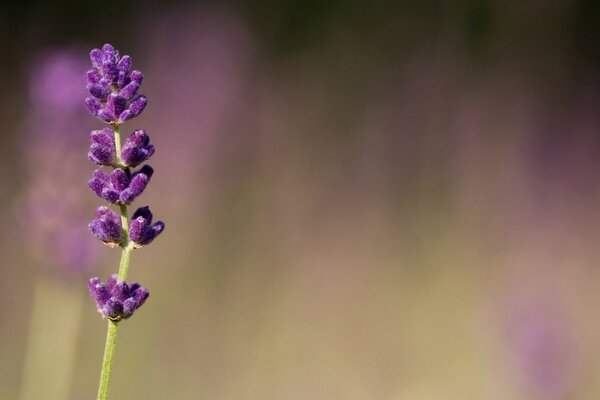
(111, 335)
(127, 248)
(117, 129)
(109, 352)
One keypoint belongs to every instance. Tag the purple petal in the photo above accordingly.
(111, 282)
(97, 186)
(99, 90)
(146, 170)
(138, 184)
(135, 108)
(109, 62)
(98, 291)
(102, 149)
(96, 57)
(136, 76)
(121, 291)
(143, 212)
(137, 148)
(99, 229)
(105, 211)
(105, 137)
(130, 90)
(116, 104)
(122, 79)
(119, 179)
(137, 229)
(113, 309)
(129, 307)
(105, 115)
(93, 76)
(99, 174)
(140, 296)
(109, 195)
(124, 63)
(154, 231)
(93, 105)
(107, 226)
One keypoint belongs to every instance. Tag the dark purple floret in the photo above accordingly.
(141, 229)
(121, 186)
(137, 149)
(117, 300)
(113, 86)
(102, 151)
(106, 226)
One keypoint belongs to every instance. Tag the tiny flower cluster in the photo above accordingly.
(136, 150)
(113, 88)
(121, 186)
(107, 227)
(114, 100)
(117, 300)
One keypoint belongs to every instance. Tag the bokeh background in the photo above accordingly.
(364, 200)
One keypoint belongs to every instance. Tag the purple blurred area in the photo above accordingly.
(49, 208)
(363, 201)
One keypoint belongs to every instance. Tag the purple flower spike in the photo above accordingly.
(141, 229)
(117, 300)
(112, 87)
(114, 98)
(102, 151)
(121, 186)
(106, 226)
(137, 149)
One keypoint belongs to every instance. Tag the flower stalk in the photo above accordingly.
(114, 100)
(107, 361)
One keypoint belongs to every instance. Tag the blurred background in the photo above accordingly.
(387, 200)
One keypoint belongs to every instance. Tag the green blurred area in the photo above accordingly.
(363, 201)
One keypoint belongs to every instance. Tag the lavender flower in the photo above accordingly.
(137, 149)
(117, 300)
(106, 226)
(113, 88)
(121, 186)
(141, 229)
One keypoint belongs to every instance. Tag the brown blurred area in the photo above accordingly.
(385, 201)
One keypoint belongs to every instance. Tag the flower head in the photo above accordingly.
(121, 186)
(113, 87)
(116, 300)
(106, 226)
(141, 229)
(136, 150)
